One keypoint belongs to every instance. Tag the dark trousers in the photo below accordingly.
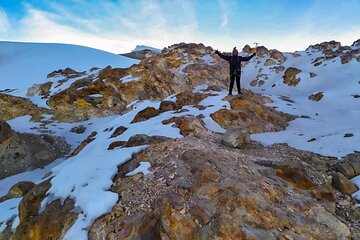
(234, 75)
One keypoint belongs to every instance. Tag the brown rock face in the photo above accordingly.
(290, 78)
(24, 152)
(145, 114)
(249, 112)
(51, 224)
(12, 107)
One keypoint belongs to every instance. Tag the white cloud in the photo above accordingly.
(4, 22)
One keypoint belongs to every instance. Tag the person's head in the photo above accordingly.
(235, 52)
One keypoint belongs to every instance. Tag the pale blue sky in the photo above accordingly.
(118, 26)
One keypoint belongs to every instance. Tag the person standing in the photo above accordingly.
(235, 67)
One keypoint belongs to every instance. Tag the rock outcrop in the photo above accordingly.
(21, 152)
(12, 107)
(202, 189)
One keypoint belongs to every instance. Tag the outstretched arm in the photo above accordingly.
(247, 58)
(227, 58)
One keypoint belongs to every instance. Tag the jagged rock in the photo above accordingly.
(40, 89)
(18, 190)
(236, 137)
(116, 144)
(168, 106)
(51, 224)
(262, 51)
(79, 129)
(296, 176)
(12, 107)
(187, 125)
(275, 54)
(118, 131)
(346, 169)
(145, 114)
(143, 139)
(24, 152)
(269, 62)
(316, 96)
(83, 144)
(290, 78)
(341, 183)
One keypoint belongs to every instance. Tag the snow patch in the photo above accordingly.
(143, 168)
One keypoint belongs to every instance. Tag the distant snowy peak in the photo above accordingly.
(144, 47)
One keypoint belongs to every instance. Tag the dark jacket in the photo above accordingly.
(235, 61)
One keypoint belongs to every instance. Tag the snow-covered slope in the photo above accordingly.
(331, 119)
(25, 64)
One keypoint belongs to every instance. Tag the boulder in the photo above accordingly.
(290, 77)
(269, 62)
(316, 96)
(79, 129)
(145, 114)
(188, 125)
(346, 169)
(277, 55)
(238, 137)
(118, 131)
(342, 184)
(168, 106)
(143, 139)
